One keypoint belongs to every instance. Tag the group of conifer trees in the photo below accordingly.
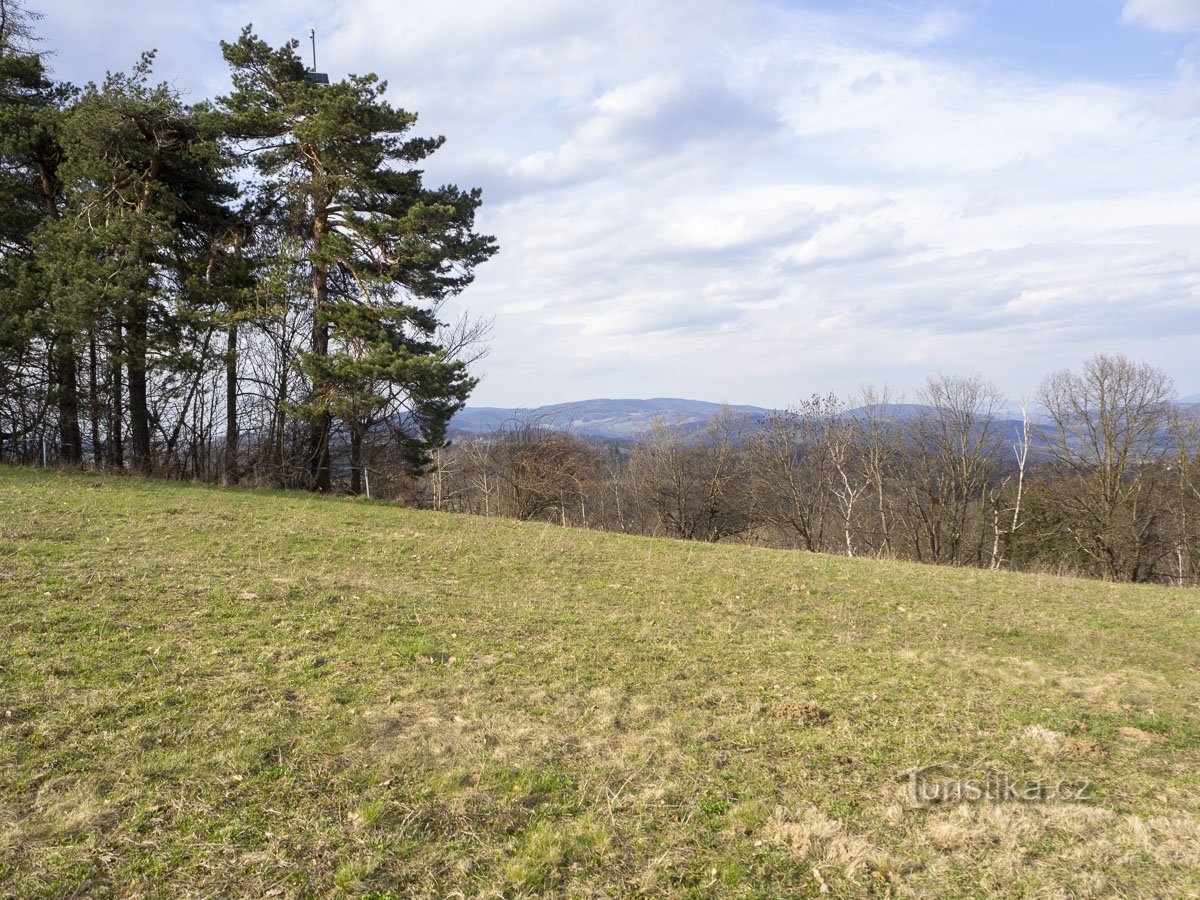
(201, 289)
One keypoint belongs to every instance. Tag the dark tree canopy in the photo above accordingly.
(280, 241)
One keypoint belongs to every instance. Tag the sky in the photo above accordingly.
(751, 201)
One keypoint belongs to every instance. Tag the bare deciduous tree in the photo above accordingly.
(1109, 423)
(791, 471)
(955, 443)
(697, 484)
(881, 440)
(542, 469)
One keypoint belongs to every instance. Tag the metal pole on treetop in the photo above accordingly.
(313, 76)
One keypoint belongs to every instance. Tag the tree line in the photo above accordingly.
(1104, 481)
(244, 286)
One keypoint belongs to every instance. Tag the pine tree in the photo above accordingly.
(143, 190)
(383, 252)
(31, 109)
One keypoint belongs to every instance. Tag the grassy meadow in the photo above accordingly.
(210, 692)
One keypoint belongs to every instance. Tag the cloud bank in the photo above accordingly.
(754, 201)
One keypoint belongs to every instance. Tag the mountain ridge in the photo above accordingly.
(602, 416)
(622, 418)
(627, 418)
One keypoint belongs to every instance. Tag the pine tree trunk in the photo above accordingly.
(116, 428)
(231, 474)
(356, 460)
(322, 422)
(94, 400)
(139, 408)
(70, 436)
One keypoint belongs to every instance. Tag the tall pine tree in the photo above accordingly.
(383, 252)
(32, 322)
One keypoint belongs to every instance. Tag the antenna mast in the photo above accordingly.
(312, 76)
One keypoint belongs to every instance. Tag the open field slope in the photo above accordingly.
(210, 692)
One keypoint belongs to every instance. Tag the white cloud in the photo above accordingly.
(850, 240)
(750, 201)
(1165, 15)
(939, 24)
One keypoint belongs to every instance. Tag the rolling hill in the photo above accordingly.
(602, 418)
(627, 419)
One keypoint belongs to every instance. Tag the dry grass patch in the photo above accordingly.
(802, 712)
(1046, 744)
(1167, 840)
(822, 842)
(1137, 736)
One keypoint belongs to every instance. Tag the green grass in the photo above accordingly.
(209, 692)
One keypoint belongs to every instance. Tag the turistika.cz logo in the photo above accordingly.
(929, 785)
